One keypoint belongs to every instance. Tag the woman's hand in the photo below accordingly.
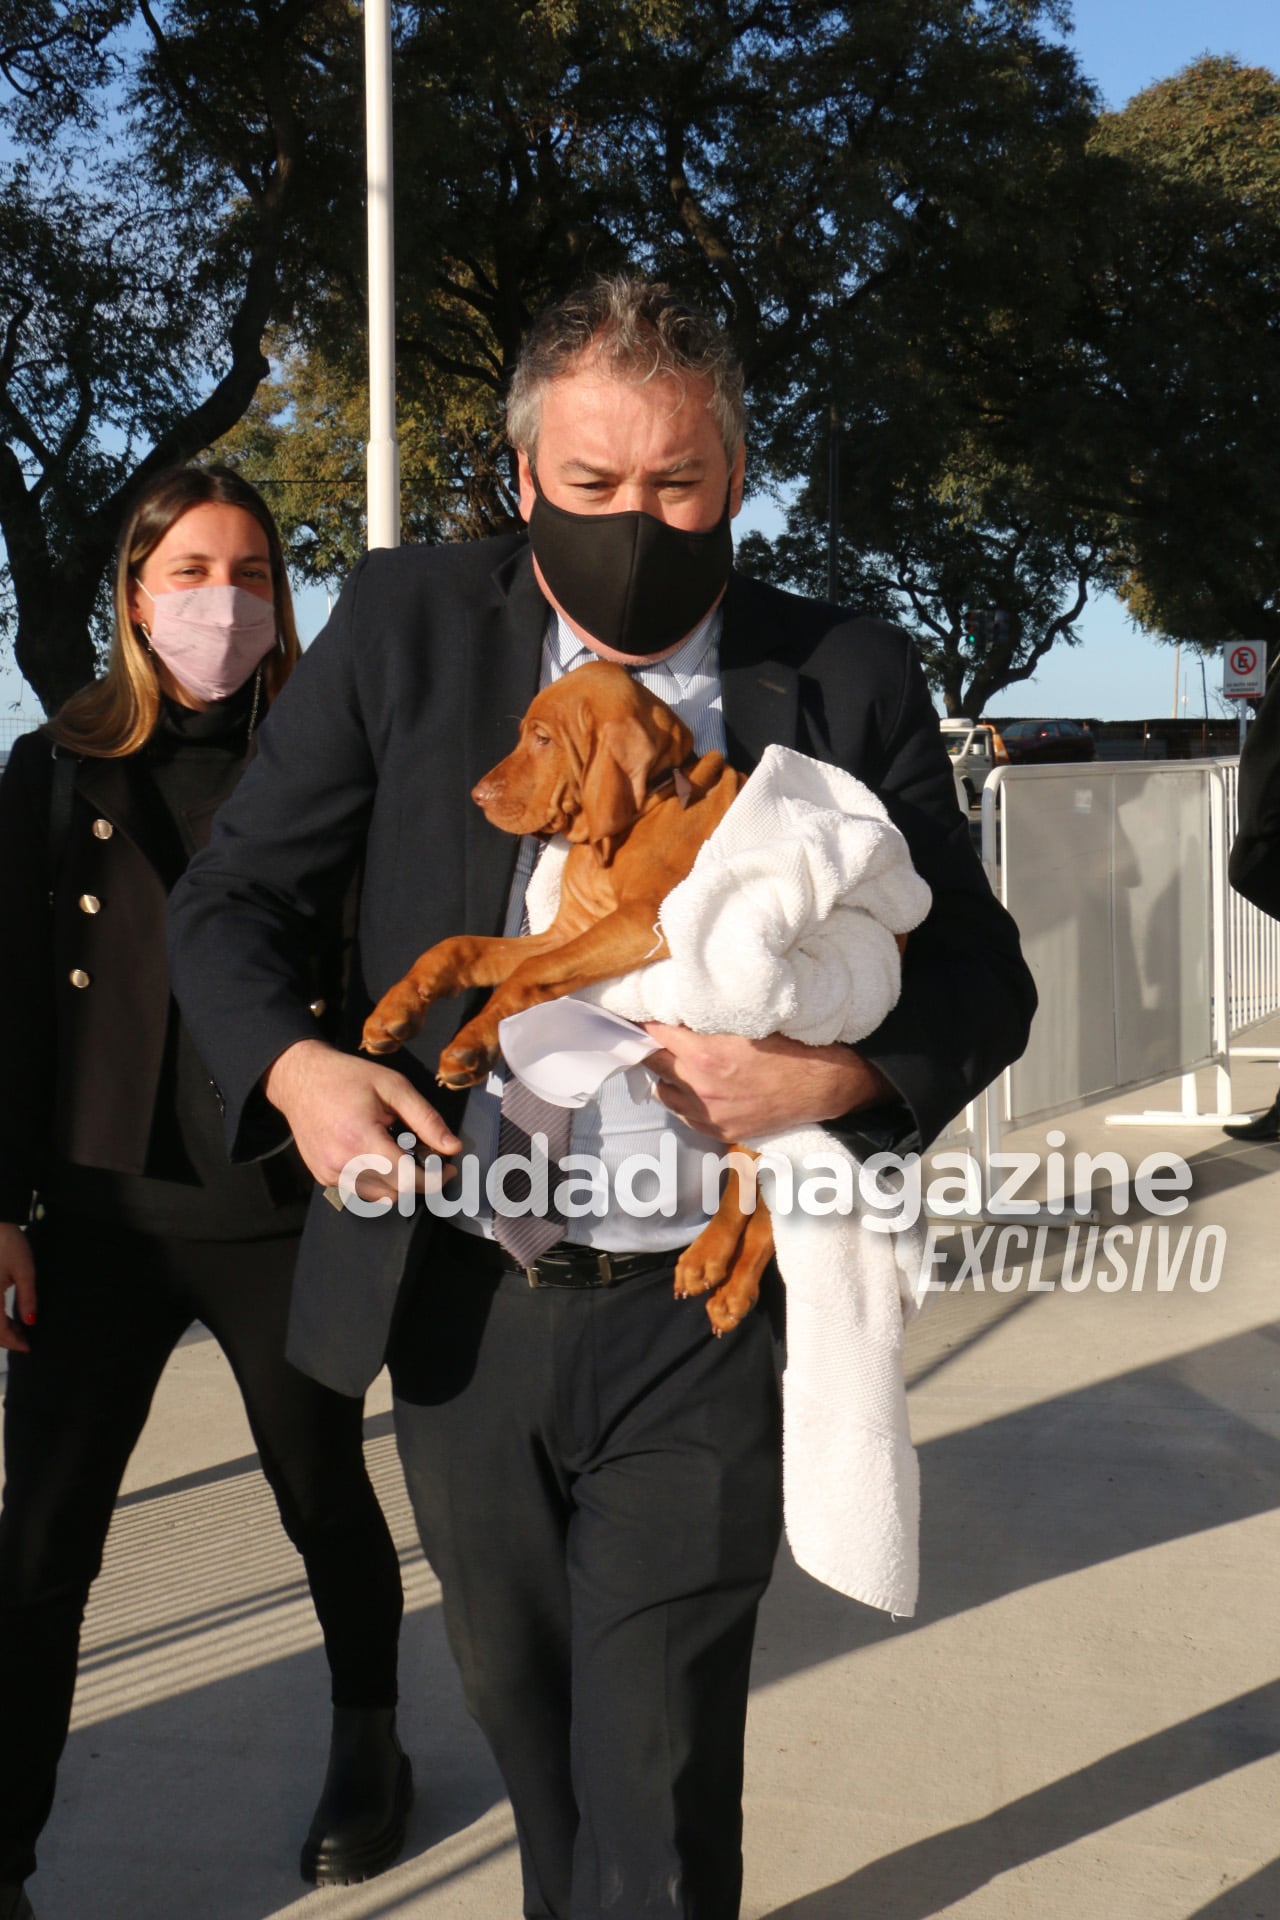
(17, 1271)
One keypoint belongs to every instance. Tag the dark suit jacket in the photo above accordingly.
(1255, 853)
(414, 690)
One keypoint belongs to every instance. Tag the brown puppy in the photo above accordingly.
(605, 762)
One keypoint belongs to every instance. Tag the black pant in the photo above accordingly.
(112, 1305)
(597, 1482)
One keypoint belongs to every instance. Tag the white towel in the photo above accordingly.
(786, 925)
(786, 922)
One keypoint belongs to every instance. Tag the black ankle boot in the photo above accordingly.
(1263, 1126)
(358, 1829)
(14, 1904)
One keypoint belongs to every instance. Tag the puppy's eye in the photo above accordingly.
(539, 739)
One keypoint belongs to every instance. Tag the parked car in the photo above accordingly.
(976, 749)
(1029, 743)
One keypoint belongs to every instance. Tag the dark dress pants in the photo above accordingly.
(597, 1482)
(112, 1305)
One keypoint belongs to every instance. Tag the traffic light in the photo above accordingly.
(991, 626)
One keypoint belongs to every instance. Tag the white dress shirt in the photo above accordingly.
(620, 1121)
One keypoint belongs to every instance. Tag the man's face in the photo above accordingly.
(607, 445)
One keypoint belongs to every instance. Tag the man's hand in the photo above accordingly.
(736, 1089)
(17, 1270)
(339, 1106)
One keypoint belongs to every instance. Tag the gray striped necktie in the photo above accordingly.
(527, 1236)
(522, 1114)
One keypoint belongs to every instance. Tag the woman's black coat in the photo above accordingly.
(84, 978)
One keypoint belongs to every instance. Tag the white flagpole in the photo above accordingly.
(382, 454)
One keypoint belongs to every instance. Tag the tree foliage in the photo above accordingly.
(792, 167)
(144, 218)
(1193, 311)
(950, 381)
(1089, 402)
(1049, 337)
(54, 59)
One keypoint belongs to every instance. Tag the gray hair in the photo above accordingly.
(632, 328)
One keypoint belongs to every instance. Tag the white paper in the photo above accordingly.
(564, 1050)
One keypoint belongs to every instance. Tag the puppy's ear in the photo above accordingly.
(614, 782)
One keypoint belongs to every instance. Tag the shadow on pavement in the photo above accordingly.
(204, 1719)
(931, 1875)
(1064, 1484)
(1257, 1898)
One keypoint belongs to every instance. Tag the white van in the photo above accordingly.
(976, 750)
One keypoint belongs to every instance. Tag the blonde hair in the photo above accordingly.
(117, 714)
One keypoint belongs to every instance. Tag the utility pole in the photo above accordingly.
(382, 453)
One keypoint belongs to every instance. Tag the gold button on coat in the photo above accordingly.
(318, 1007)
(78, 977)
(102, 829)
(89, 903)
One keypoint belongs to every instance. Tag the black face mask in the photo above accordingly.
(630, 581)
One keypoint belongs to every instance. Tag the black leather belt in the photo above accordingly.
(567, 1265)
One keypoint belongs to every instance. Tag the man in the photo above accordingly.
(595, 1477)
(1255, 854)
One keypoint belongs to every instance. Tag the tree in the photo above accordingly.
(856, 191)
(790, 167)
(1090, 401)
(143, 224)
(947, 563)
(53, 58)
(302, 443)
(954, 383)
(506, 196)
(1193, 354)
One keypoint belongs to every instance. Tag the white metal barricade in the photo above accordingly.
(1148, 966)
(1116, 874)
(1253, 948)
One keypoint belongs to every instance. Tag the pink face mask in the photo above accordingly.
(211, 638)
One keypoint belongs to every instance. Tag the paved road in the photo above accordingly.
(1083, 1723)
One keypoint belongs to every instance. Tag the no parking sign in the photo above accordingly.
(1244, 670)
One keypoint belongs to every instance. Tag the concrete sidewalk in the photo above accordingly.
(1082, 1723)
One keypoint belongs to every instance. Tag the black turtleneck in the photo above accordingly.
(195, 758)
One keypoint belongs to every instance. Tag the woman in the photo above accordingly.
(121, 1221)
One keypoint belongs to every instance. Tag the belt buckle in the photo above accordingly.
(604, 1270)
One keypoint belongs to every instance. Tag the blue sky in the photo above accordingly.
(1116, 672)
(1124, 45)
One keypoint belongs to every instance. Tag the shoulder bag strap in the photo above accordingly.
(62, 799)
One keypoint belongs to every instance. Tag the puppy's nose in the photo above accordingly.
(484, 790)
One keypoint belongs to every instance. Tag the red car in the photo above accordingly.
(1031, 742)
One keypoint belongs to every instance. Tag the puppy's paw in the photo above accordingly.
(699, 1269)
(378, 1044)
(730, 1304)
(395, 1019)
(709, 1260)
(463, 1066)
